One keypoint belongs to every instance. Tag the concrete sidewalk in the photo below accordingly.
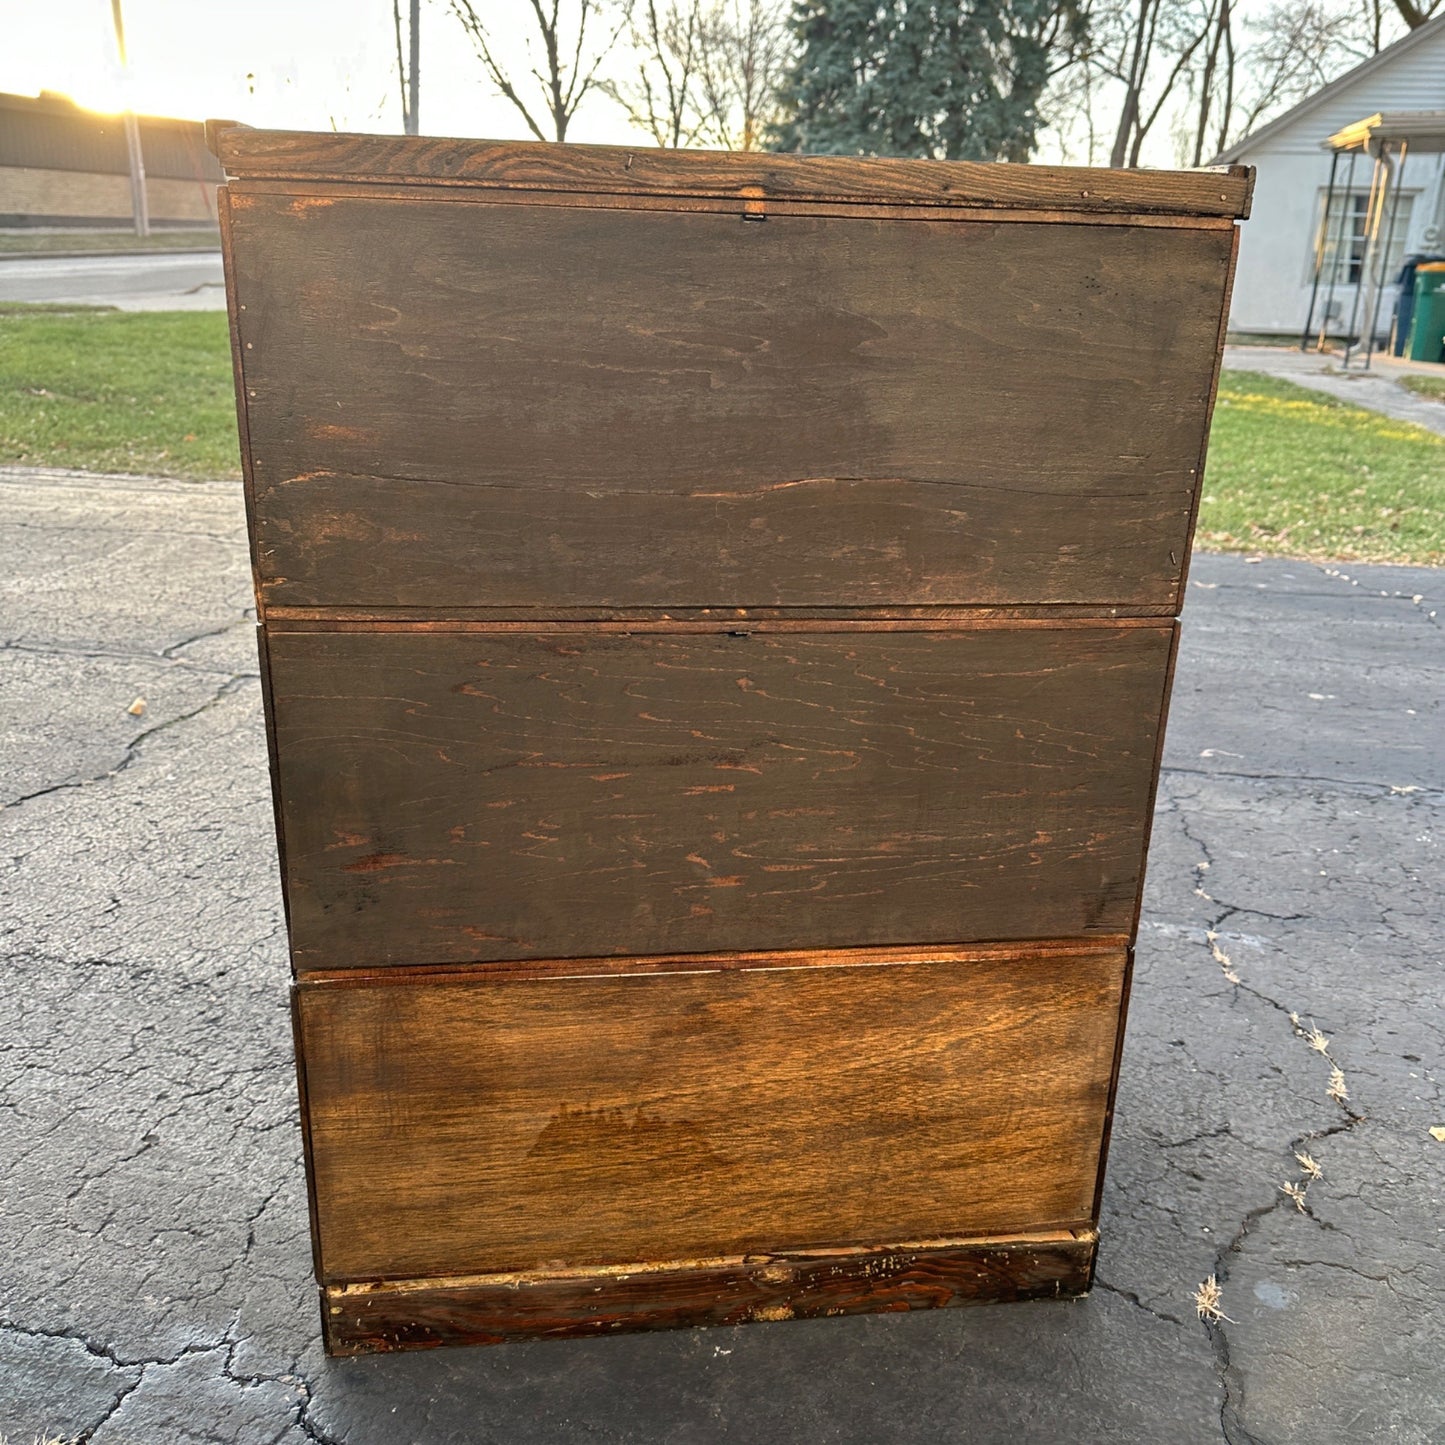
(1378, 389)
(154, 1250)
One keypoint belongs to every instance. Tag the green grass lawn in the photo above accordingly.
(1431, 386)
(51, 243)
(1290, 471)
(1296, 473)
(113, 391)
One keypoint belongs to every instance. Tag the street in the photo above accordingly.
(163, 281)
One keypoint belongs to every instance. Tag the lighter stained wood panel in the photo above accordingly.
(469, 1126)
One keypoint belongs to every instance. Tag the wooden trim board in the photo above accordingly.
(643, 170)
(717, 962)
(742, 206)
(781, 1285)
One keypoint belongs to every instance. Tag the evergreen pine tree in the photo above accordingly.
(950, 79)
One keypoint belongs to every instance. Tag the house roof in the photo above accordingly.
(1255, 138)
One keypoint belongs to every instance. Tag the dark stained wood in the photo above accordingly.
(334, 190)
(212, 132)
(460, 406)
(238, 373)
(807, 1284)
(754, 175)
(313, 1214)
(268, 707)
(1108, 1129)
(1183, 582)
(458, 796)
(475, 1125)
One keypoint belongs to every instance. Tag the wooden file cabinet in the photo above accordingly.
(717, 616)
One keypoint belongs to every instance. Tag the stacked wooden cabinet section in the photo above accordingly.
(717, 616)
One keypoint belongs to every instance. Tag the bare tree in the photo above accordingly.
(745, 52)
(1251, 72)
(1216, 81)
(1211, 70)
(1415, 15)
(1147, 46)
(1296, 50)
(660, 94)
(705, 71)
(572, 49)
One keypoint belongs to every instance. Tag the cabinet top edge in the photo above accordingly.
(749, 176)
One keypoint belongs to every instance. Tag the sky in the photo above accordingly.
(308, 65)
(288, 64)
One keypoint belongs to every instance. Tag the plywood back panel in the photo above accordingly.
(460, 795)
(470, 404)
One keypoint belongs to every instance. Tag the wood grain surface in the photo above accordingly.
(459, 796)
(475, 1125)
(477, 405)
(717, 618)
(805, 1284)
(645, 170)
(401, 976)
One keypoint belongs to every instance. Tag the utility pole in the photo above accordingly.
(140, 209)
(408, 74)
(413, 80)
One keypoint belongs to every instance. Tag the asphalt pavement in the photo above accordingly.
(154, 1258)
(160, 281)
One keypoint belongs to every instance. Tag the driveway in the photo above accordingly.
(156, 1263)
(184, 281)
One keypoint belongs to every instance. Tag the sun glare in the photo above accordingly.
(264, 62)
(303, 64)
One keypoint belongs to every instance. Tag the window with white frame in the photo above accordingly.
(1344, 253)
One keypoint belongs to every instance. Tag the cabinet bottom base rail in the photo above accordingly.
(365, 1318)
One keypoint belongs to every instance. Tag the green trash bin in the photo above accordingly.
(1427, 327)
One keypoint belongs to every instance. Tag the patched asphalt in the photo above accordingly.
(155, 1283)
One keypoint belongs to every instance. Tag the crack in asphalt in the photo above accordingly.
(165, 654)
(1341, 784)
(133, 747)
(115, 1361)
(99, 1351)
(227, 1341)
(219, 631)
(1130, 1297)
(1232, 1406)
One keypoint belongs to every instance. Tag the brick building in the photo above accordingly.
(61, 165)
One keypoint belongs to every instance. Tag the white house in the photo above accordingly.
(1277, 246)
